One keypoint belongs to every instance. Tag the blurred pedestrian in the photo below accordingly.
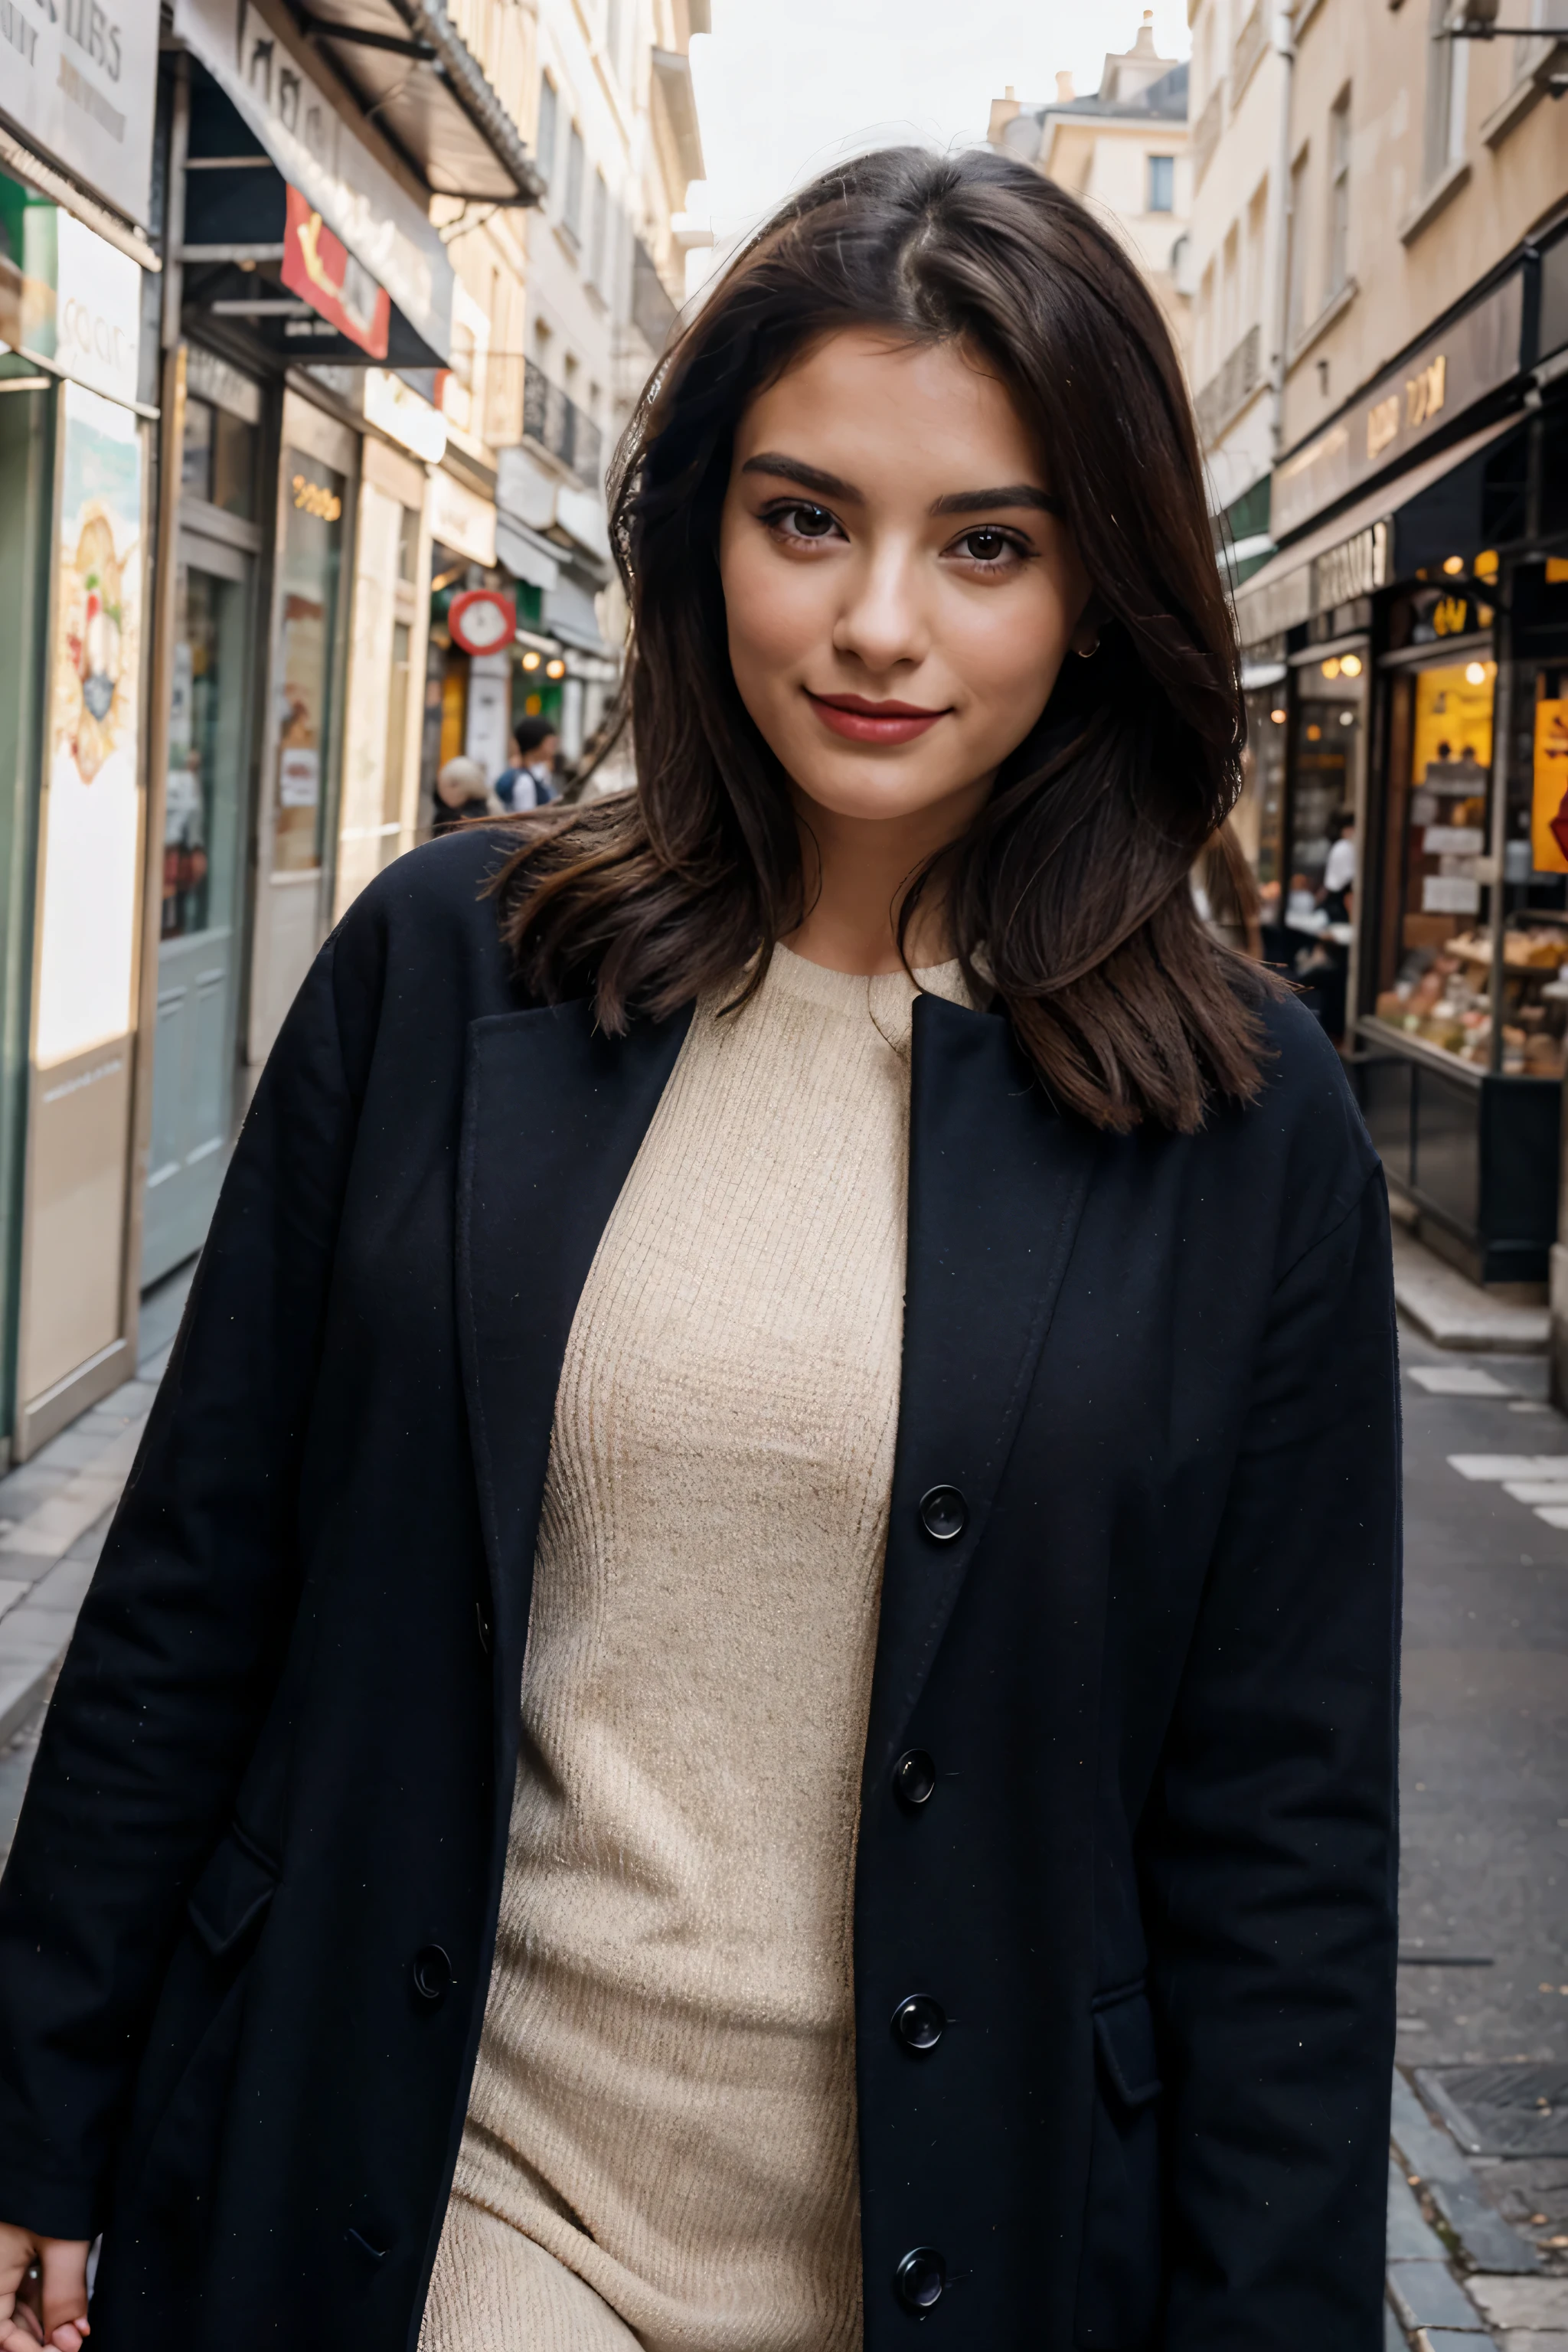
(531, 780)
(461, 793)
(744, 1691)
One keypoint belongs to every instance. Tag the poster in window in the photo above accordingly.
(88, 945)
(1549, 803)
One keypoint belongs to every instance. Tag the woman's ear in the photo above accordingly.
(1084, 638)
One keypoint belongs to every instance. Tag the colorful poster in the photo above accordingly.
(1549, 803)
(88, 945)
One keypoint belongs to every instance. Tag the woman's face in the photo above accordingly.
(900, 597)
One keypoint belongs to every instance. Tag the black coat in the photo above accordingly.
(1146, 1692)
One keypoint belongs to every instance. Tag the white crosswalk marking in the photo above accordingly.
(1540, 1480)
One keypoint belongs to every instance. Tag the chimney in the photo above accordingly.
(1066, 93)
(1144, 47)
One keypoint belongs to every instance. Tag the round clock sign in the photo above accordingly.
(482, 621)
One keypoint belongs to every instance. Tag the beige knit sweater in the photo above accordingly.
(660, 2147)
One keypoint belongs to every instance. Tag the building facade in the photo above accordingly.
(617, 141)
(1124, 149)
(1411, 630)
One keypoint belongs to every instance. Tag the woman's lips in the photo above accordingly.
(859, 721)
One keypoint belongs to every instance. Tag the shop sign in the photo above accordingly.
(1446, 376)
(482, 621)
(98, 312)
(1548, 809)
(461, 521)
(81, 80)
(319, 268)
(72, 299)
(396, 408)
(88, 945)
(263, 68)
(1357, 567)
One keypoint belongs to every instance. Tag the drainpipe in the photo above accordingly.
(1284, 44)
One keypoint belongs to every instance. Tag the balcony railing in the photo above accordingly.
(554, 419)
(1235, 384)
(1205, 136)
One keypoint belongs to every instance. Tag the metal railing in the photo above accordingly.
(554, 419)
(1224, 394)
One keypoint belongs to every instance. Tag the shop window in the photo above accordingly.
(1435, 958)
(218, 459)
(1260, 812)
(1322, 872)
(1162, 183)
(408, 545)
(313, 500)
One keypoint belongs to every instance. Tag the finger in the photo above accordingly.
(20, 2333)
(65, 2292)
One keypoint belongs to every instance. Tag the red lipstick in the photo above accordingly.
(861, 722)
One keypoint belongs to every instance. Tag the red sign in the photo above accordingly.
(321, 269)
(482, 621)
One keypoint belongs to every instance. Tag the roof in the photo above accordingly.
(1165, 101)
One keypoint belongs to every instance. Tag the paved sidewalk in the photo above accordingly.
(1477, 2235)
(54, 1514)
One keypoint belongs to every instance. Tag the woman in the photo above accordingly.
(932, 1858)
(462, 794)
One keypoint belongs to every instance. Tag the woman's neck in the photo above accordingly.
(856, 871)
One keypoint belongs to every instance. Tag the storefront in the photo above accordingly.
(76, 388)
(1422, 635)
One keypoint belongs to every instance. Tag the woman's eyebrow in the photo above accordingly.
(1012, 494)
(810, 477)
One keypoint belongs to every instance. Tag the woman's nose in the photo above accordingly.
(883, 624)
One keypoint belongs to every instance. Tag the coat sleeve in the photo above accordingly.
(1269, 1848)
(178, 1646)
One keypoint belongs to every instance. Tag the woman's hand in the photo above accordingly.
(43, 2292)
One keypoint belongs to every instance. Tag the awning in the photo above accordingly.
(1385, 537)
(289, 113)
(407, 68)
(525, 555)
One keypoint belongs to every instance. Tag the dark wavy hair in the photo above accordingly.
(1070, 888)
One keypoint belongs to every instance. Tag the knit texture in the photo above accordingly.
(661, 2134)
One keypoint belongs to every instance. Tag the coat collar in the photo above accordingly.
(554, 1113)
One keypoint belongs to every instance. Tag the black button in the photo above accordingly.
(914, 1777)
(919, 2023)
(919, 2279)
(943, 1513)
(432, 1972)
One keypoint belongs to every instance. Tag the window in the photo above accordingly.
(1230, 291)
(1339, 195)
(1447, 89)
(572, 211)
(1295, 281)
(1208, 356)
(598, 273)
(546, 157)
(612, 35)
(1162, 183)
(1256, 246)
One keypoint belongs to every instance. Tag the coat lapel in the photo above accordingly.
(554, 1113)
(997, 1182)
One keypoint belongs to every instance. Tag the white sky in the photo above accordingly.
(785, 87)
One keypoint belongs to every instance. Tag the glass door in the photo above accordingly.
(196, 1059)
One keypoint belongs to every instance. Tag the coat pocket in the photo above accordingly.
(191, 2048)
(1120, 2272)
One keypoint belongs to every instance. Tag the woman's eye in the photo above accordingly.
(806, 522)
(986, 546)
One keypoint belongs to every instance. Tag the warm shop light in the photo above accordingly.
(1453, 565)
(1475, 672)
(555, 669)
(530, 659)
(1277, 716)
(1350, 666)
(1332, 667)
